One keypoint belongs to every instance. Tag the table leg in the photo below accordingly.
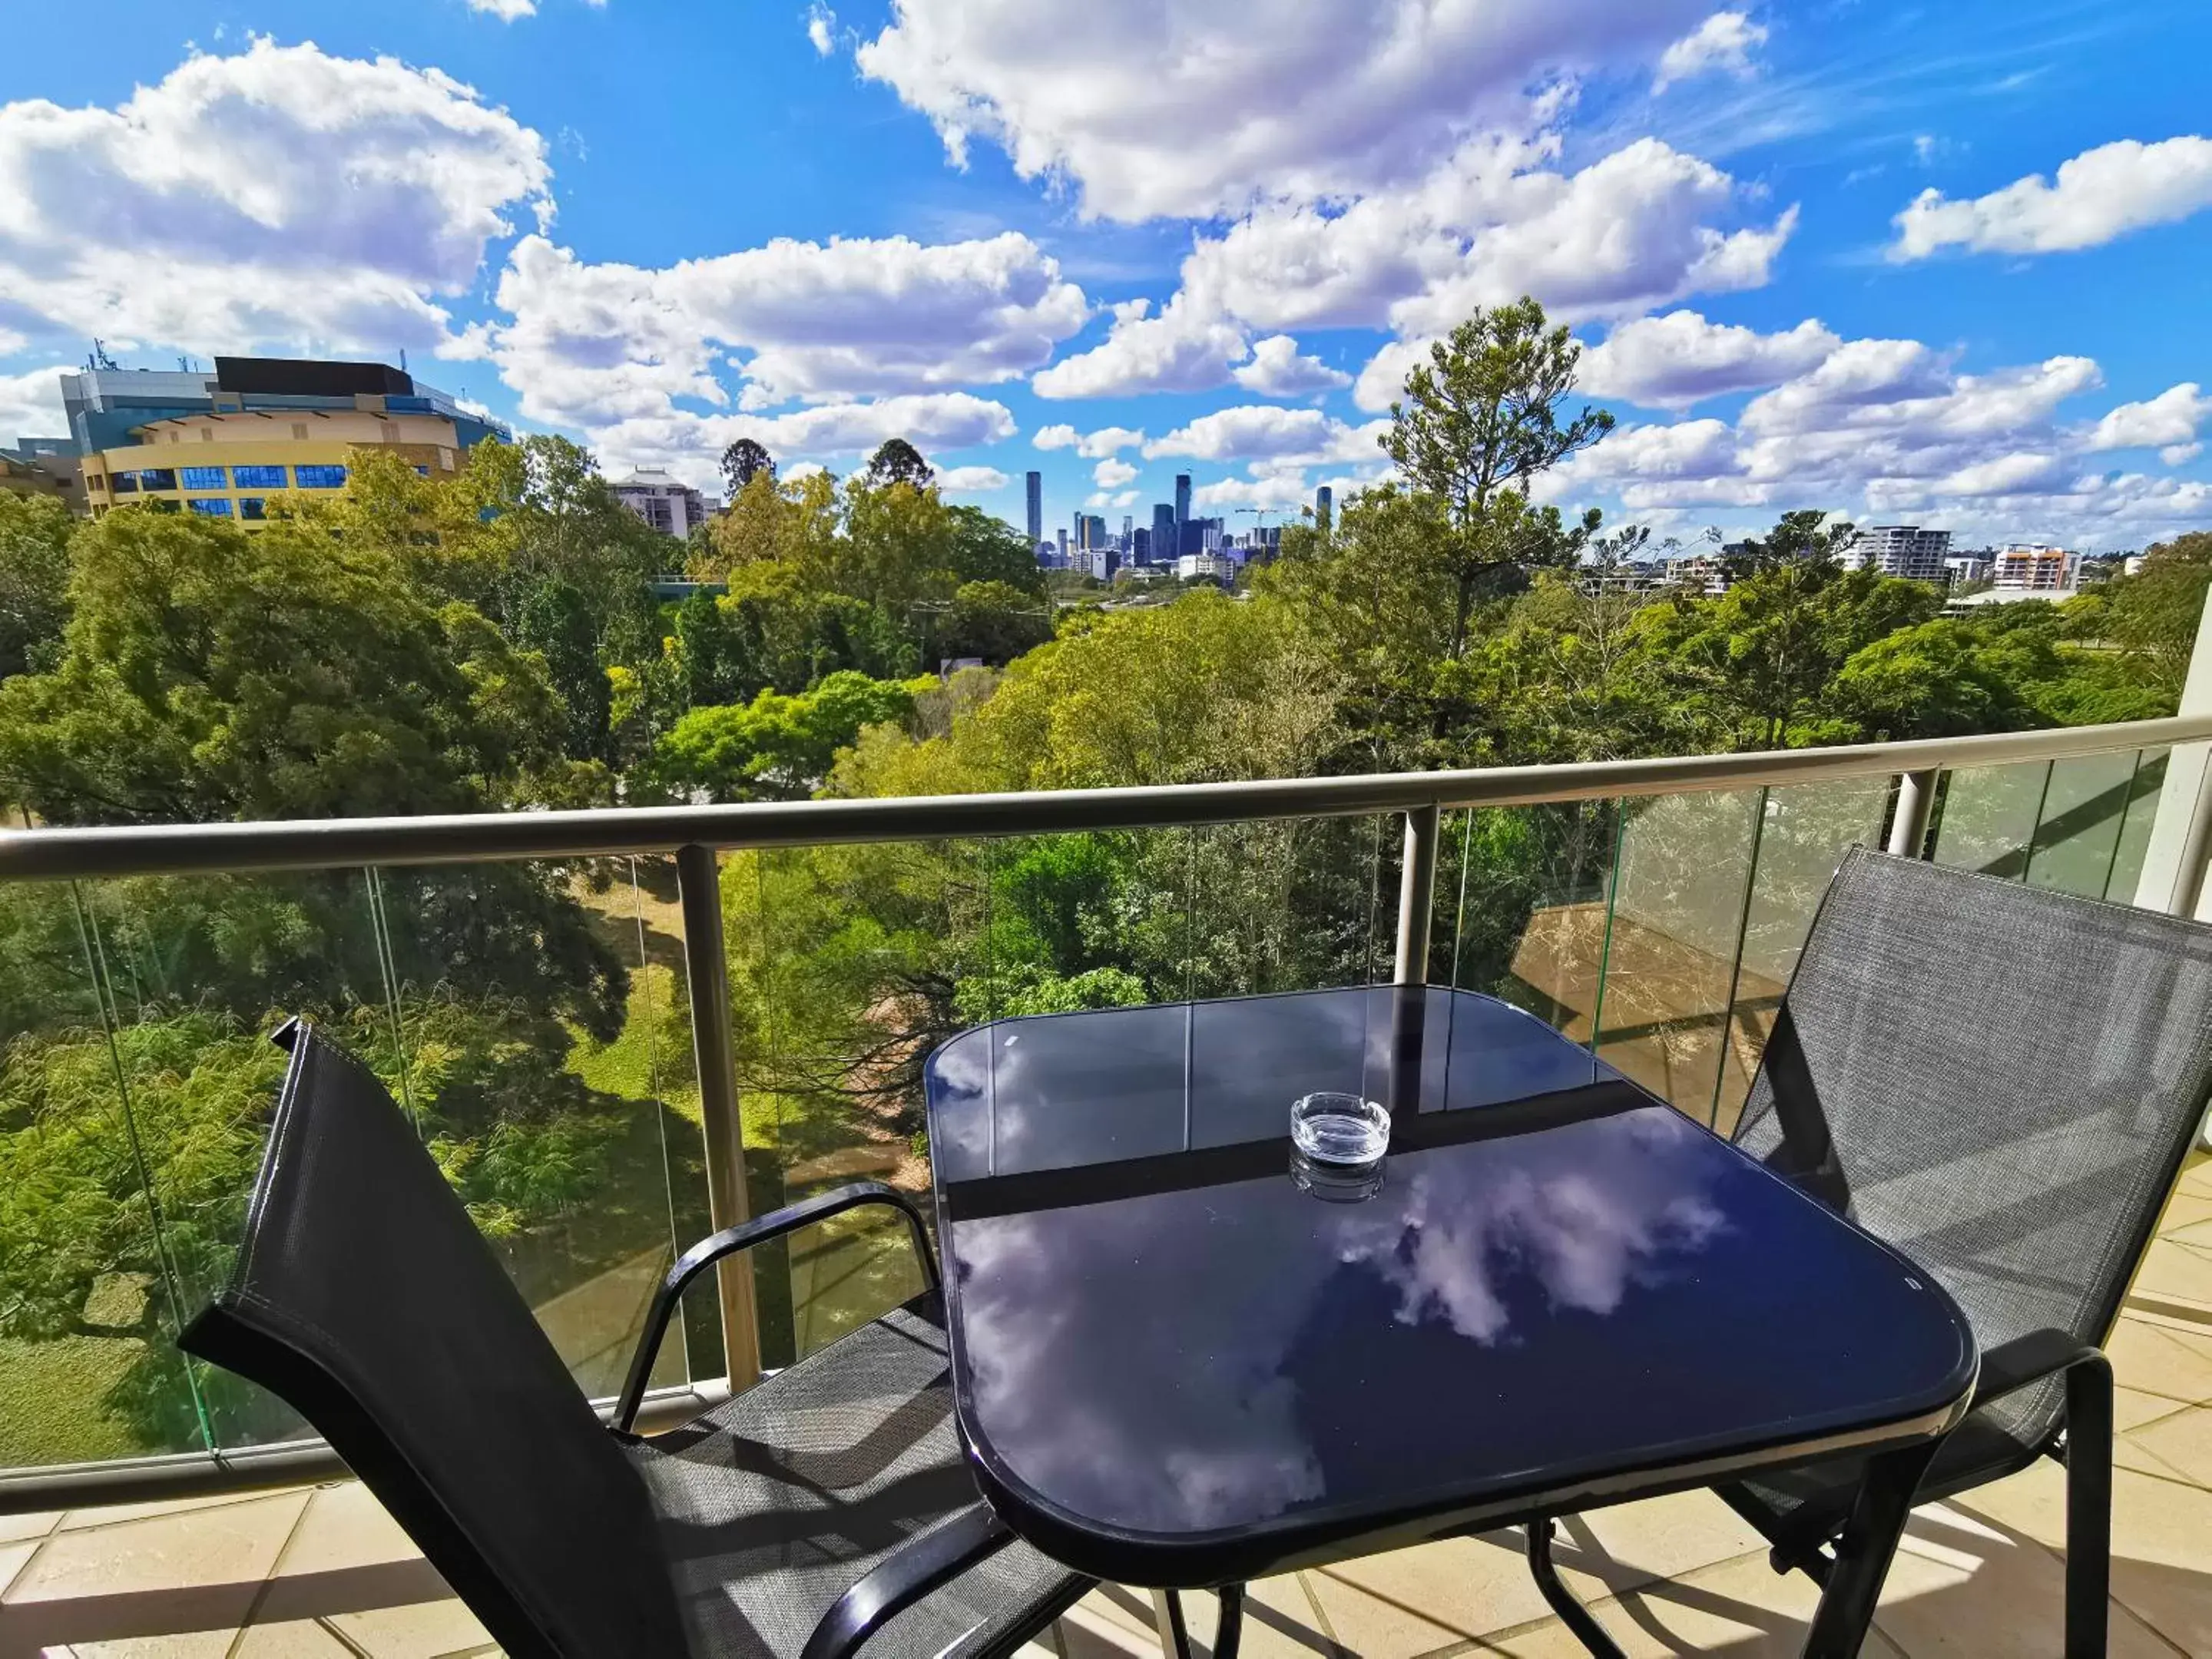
(1167, 1618)
(1864, 1552)
(1572, 1613)
(1231, 1626)
(1175, 1634)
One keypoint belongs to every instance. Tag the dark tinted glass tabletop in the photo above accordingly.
(1162, 1346)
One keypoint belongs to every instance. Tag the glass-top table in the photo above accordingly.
(1174, 1367)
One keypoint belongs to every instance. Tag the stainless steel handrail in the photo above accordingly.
(695, 833)
(324, 843)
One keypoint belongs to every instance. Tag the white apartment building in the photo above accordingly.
(1901, 550)
(670, 507)
(1219, 566)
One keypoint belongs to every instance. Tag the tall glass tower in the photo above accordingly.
(1037, 508)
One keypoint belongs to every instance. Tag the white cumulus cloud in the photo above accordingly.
(31, 403)
(822, 28)
(971, 480)
(1269, 432)
(507, 11)
(685, 442)
(1181, 349)
(593, 344)
(2100, 194)
(1894, 428)
(1723, 41)
(1207, 107)
(1112, 474)
(1641, 227)
(1680, 359)
(2167, 420)
(1279, 369)
(278, 197)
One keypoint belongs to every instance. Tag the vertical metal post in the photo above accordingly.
(699, 885)
(2172, 877)
(1417, 895)
(1908, 830)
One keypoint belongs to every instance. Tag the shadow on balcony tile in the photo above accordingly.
(167, 1576)
(1965, 1586)
(1741, 1608)
(2161, 1563)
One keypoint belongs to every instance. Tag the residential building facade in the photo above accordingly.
(669, 505)
(2033, 568)
(1901, 550)
(44, 466)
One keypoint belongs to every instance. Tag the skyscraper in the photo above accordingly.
(1324, 504)
(1163, 532)
(1183, 497)
(1037, 508)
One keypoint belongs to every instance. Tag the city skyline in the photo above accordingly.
(1935, 269)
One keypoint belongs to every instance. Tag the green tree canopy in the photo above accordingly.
(206, 673)
(775, 747)
(1480, 421)
(34, 536)
(897, 461)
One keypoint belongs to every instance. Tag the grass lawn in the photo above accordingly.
(50, 1394)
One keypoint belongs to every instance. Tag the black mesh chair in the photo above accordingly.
(2001, 1082)
(828, 1506)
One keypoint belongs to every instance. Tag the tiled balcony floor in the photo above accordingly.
(322, 1571)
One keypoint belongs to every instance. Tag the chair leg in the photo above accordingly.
(2088, 1505)
(1572, 1613)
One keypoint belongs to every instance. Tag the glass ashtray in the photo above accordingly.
(1339, 1133)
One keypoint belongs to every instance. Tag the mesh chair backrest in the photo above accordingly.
(2010, 1076)
(366, 1298)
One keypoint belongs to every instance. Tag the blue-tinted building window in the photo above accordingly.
(203, 477)
(259, 477)
(422, 471)
(252, 506)
(319, 477)
(152, 478)
(163, 506)
(210, 506)
(124, 484)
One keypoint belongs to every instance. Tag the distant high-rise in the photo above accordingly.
(1163, 532)
(1183, 497)
(1037, 508)
(1093, 531)
(1141, 546)
(1324, 505)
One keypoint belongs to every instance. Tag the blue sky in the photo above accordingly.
(1940, 264)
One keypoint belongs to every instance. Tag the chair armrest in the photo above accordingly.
(914, 1569)
(744, 1237)
(2026, 1360)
